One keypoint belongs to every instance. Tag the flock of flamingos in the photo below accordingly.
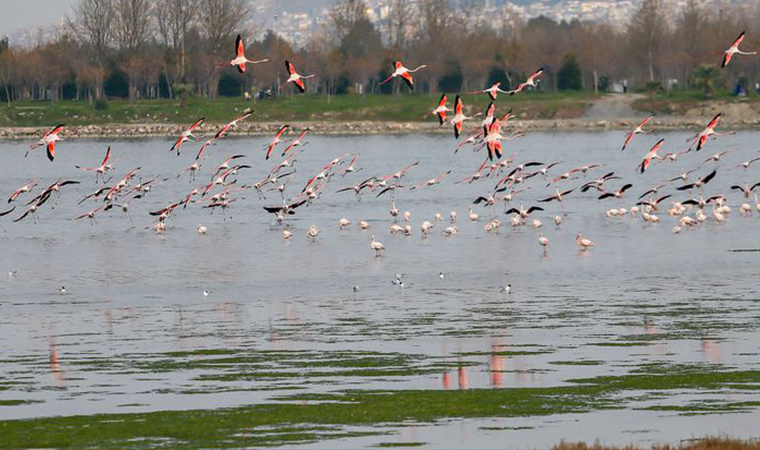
(219, 192)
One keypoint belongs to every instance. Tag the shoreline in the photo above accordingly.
(370, 127)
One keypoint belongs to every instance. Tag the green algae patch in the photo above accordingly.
(299, 418)
(333, 415)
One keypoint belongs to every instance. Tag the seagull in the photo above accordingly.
(506, 289)
(207, 293)
(62, 289)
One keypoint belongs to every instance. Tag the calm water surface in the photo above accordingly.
(135, 298)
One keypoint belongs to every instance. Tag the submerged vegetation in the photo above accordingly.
(310, 417)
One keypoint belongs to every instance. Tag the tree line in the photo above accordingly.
(163, 48)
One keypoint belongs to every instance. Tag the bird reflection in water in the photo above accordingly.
(55, 366)
(496, 364)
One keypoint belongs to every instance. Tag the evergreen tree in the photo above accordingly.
(569, 77)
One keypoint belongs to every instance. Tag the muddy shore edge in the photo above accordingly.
(369, 127)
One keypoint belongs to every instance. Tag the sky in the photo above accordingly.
(31, 13)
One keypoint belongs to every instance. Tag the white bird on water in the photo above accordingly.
(207, 293)
(202, 229)
(62, 289)
(583, 242)
(543, 241)
(376, 246)
(506, 289)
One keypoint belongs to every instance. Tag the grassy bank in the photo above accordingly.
(680, 103)
(405, 108)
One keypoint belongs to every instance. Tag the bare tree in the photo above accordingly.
(691, 37)
(220, 22)
(398, 24)
(93, 25)
(174, 19)
(433, 37)
(344, 16)
(646, 33)
(133, 30)
(7, 63)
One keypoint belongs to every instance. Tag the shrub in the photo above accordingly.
(100, 104)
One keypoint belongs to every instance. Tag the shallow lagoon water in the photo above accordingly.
(134, 333)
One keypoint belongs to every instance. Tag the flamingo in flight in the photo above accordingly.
(651, 154)
(699, 183)
(222, 133)
(186, 135)
(277, 139)
(102, 169)
(295, 78)
(638, 130)
(404, 73)
(493, 91)
(458, 117)
(48, 139)
(240, 60)
(431, 182)
(351, 167)
(22, 190)
(441, 110)
(734, 50)
(296, 142)
(493, 140)
(531, 81)
(489, 116)
(617, 194)
(701, 139)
